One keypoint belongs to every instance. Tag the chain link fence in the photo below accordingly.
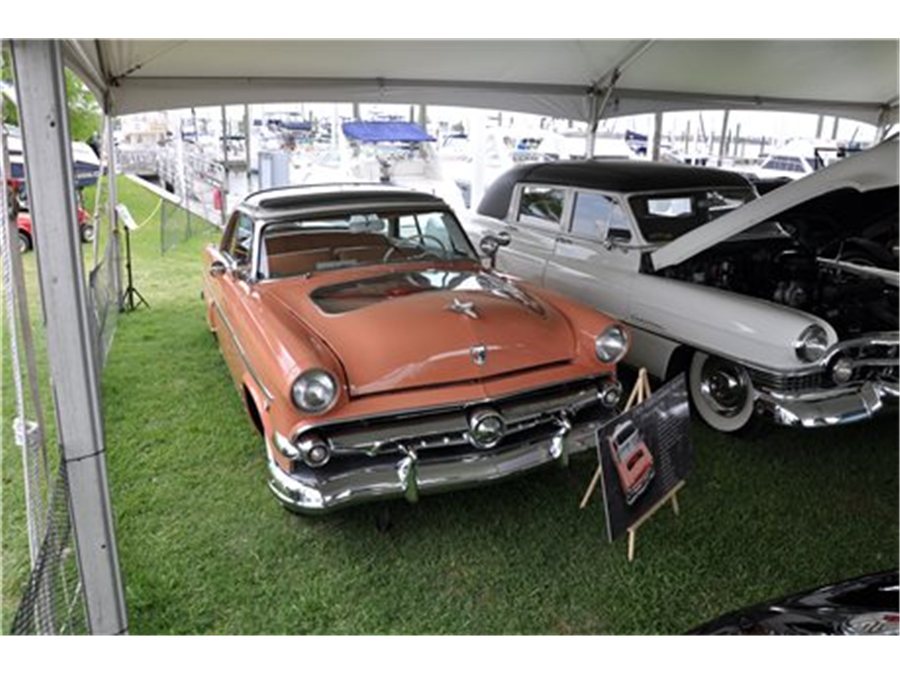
(177, 224)
(53, 602)
(104, 302)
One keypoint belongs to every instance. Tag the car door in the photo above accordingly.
(533, 224)
(584, 265)
(229, 292)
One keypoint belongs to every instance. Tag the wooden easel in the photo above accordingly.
(639, 394)
(671, 496)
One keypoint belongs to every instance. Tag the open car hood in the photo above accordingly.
(869, 170)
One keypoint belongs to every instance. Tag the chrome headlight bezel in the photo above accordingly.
(308, 383)
(612, 344)
(812, 344)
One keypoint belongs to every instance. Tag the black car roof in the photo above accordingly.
(278, 201)
(611, 175)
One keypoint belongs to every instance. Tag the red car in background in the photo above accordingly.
(633, 460)
(19, 206)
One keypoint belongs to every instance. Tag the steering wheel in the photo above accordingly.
(422, 238)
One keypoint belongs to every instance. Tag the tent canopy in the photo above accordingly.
(848, 78)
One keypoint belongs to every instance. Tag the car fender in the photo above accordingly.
(747, 330)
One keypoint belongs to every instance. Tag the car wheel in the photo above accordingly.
(721, 392)
(87, 233)
(24, 242)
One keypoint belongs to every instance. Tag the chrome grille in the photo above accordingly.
(534, 414)
(786, 382)
(874, 358)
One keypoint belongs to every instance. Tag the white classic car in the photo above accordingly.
(709, 281)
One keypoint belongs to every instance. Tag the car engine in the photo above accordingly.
(779, 271)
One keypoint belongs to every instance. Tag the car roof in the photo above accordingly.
(334, 196)
(605, 174)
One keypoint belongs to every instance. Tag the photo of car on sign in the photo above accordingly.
(633, 460)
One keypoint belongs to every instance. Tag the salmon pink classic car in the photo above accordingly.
(379, 357)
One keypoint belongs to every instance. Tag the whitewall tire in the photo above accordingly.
(721, 392)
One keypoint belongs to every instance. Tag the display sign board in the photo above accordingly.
(645, 453)
(125, 217)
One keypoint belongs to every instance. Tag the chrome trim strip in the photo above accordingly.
(240, 349)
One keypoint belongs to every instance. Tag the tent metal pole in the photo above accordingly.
(113, 199)
(225, 174)
(478, 138)
(247, 129)
(597, 108)
(48, 159)
(722, 137)
(657, 136)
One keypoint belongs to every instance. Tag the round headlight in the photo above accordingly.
(314, 391)
(611, 344)
(812, 344)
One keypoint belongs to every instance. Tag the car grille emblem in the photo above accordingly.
(486, 428)
(460, 307)
(479, 354)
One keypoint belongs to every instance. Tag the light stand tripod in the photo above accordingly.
(130, 292)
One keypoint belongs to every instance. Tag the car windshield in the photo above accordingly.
(627, 441)
(664, 217)
(315, 244)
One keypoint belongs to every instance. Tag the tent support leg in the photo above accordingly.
(48, 160)
(112, 217)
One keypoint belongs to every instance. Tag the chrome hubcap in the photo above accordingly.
(724, 386)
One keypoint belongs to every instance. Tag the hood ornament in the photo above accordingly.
(465, 308)
(479, 354)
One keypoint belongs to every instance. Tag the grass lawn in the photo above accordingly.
(204, 548)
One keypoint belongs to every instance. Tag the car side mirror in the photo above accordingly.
(217, 269)
(241, 273)
(491, 243)
(617, 237)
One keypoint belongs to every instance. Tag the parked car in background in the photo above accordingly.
(863, 606)
(379, 359)
(710, 283)
(25, 227)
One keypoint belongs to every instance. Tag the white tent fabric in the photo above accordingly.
(849, 78)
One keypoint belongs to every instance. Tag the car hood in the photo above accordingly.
(870, 170)
(862, 606)
(399, 330)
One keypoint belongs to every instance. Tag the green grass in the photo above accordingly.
(204, 548)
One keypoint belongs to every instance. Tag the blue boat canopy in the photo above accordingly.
(386, 132)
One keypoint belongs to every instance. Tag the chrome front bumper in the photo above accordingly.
(827, 407)
(322, 490)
